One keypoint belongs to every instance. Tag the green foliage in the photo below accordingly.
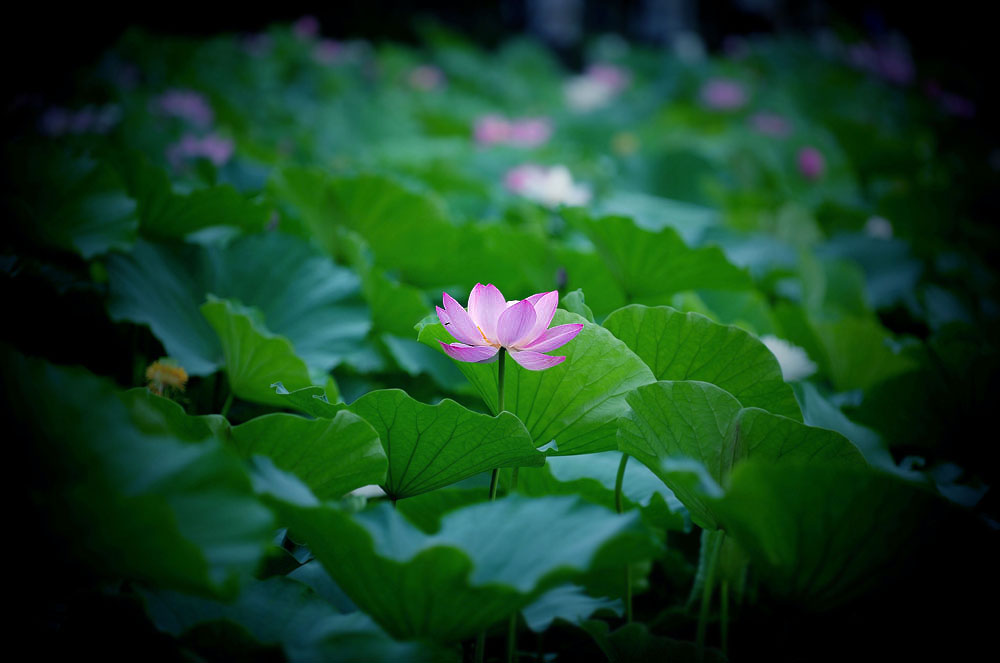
(680, 420)
(148, 507)
(432, 446)
(576, 403)
(679, 346)
(311, 304)
(331, 456)
(486, 562)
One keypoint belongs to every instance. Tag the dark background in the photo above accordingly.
(43, 45)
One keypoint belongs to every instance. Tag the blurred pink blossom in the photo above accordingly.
(523, 132)
(812, 165)
(328, 51)
(611, 76)
(187, 105)
(771, 124)
(530, 131)
(213, 147)
(596, 88)
(426, 77)
(890, 61)
(723, 94)
(306, 28)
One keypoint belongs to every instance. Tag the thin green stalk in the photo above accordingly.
(715, 541)
(512, 639)
(619, 480)
(480, 646)
(228, 404)
(494, 480)
(724, 615)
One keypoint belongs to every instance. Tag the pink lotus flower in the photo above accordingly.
(215, 148)
(812, 165)
(771, 124)
(306, 28)
(426, 77)
(522, 132)
(187, 105)
(723, 94)
(492, 323)
(327, 51)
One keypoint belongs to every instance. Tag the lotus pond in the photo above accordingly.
(325, 350)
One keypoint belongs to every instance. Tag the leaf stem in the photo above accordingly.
(619, 481)
(512, 639)
(714, 541)
(228, 404)
(724, 615)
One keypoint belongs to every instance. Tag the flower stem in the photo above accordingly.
(494, 480)
(619, 480)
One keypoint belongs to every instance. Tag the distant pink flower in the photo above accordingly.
(426, 77)
(612, 77)
(306, 28)
(812, 165)
(215, 148)
(771, 124)
(491, 129)
(723, 94)
(491, 323)
(524, 132)
(328, 51)
(530, 131)
(187, 105)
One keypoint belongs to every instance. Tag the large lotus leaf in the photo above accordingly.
(593, 477)
(487, 561)
(575, 403)
(411, 235)
(646, 264)
(255, 359)
(150, 508)
(569, 603)
(415, 358)
(301, 294)
(286, 613)
(74, 203)
(823, 533)
(688, 346)
(860, 353)
(331, 456)
(819, 411)
(165, 214)
(313, 401)
(431, 446)
(156, 415)
(697, 420)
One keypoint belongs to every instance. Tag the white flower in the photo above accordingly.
(795, 363)
(368, 491)
(878, 227)
(549, 186)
